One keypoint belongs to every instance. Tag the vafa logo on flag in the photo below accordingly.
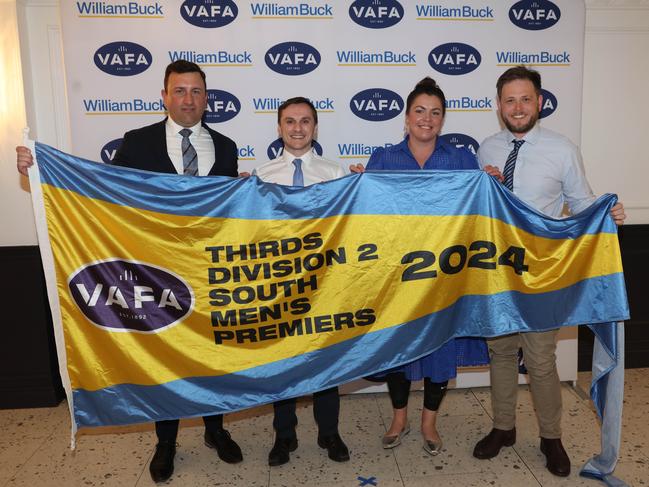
(128, 295)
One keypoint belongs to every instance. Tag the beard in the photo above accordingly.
(521, 129)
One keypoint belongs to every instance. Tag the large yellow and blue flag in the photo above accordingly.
(181, 296)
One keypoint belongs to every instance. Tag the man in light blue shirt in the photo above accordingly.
(545, 170)
(297, 126)
(548, 173)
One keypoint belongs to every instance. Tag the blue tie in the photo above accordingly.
(510, 165)
(190, 162)
(298, 175)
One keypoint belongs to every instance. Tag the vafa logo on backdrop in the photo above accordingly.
(276, 147)
(376, 104)
(376, 14)
(109, 149)
(123, 58)
(534, 14)
(292, 58)
(549, 103)
(461, 140)
(221, 106)
(454, 58)
(122, 295)
(209, 14)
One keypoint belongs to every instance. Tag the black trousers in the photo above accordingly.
(326, 409)
(399, 389)
(168, 430)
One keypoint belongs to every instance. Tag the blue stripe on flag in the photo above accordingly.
(478, 316)
(376, 193)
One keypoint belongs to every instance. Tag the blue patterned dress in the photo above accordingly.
(441, 365)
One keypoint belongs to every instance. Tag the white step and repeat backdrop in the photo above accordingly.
(356, 60)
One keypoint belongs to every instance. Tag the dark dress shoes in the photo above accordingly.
(490, 445)
(557, 461)
(281, 451)
(225, 446)
(162, 463)
(335, 446)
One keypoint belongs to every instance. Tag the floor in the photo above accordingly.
(34, 447)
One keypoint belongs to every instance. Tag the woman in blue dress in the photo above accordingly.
(423, 149)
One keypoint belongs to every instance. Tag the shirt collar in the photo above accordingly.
(305, 158)
(172, 126)
(440, 144)
(530, 137)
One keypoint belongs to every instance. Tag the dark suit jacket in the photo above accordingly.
(146, 148)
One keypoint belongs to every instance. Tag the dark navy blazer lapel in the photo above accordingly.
(160, 148)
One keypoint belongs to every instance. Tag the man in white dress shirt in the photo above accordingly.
(297, 126)
(299, 165)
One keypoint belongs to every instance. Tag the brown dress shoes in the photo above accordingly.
(557, 461)
(490, 445)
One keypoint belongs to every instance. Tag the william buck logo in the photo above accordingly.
(534, 14)
(454, 58)
(121, 295)
(376, 14)
(209, 14)
(376, 104)
(221, 106)
(108, 151)
(292, 58)
(123, 58)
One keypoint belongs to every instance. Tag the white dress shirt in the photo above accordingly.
(316, 169)
(200, 139)
(549, 170)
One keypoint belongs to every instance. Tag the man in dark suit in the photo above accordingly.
(158, 147)
(180, 144)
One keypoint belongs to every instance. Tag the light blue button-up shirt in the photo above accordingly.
(549, 170)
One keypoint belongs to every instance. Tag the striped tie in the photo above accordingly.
(510, 165)
(298, 175)
(190, 161)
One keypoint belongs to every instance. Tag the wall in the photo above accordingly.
(15, 209)
(614, 121)
(28, 363)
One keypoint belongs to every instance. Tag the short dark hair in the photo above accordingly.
(182, 66)
(297, 100)
(426, 86)
(519, 72)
